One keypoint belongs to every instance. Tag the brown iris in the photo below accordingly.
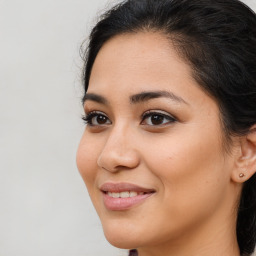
(157, 119)
(101, 119)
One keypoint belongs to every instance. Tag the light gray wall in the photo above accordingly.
(45, 209)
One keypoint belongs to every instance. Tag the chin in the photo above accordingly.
(122, 244)
(123, 237)
(121, 241)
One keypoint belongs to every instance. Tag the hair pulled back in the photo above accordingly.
(218, 40)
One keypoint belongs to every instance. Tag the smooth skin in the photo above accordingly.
(173, 144)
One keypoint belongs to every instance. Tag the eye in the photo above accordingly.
(157, 118)
(96, 118)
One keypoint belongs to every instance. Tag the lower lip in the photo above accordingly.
(121, 204)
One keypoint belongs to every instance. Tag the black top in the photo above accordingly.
(133, 252)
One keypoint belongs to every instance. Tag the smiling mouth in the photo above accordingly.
(123, 196)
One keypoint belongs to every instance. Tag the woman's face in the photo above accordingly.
(152, 153)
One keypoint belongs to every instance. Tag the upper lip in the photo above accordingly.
(121, 187)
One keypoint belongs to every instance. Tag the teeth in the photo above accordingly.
(115, 195)
(124, 194)
(132, 194)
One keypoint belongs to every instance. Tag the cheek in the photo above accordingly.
(189, 167)
(86, 159)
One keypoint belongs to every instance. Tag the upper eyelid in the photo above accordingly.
(89, 112)
(90, 106)
(158, 111)
(93, 113)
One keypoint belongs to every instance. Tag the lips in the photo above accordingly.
(123, 196)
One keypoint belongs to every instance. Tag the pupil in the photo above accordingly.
(101, 119)
(157, 119)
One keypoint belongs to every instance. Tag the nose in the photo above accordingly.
(119, 152)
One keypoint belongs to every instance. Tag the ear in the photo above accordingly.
(246, 162)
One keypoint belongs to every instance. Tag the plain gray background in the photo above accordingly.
(45, 209)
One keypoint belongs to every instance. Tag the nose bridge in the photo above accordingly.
(119, 150)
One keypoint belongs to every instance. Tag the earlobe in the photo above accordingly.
(246, 162)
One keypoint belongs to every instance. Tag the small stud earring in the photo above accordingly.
(241, 175)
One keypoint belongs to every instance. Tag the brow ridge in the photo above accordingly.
(136, 98)
(94, 97)
(148, 95)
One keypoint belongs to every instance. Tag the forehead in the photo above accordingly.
(140, 59)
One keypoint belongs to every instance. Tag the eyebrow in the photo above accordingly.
(145, 96)
(94, 97)
(136, 98)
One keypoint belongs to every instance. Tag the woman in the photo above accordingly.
(169, 150)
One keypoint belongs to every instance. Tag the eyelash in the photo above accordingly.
(88, 118)
(160, 113)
